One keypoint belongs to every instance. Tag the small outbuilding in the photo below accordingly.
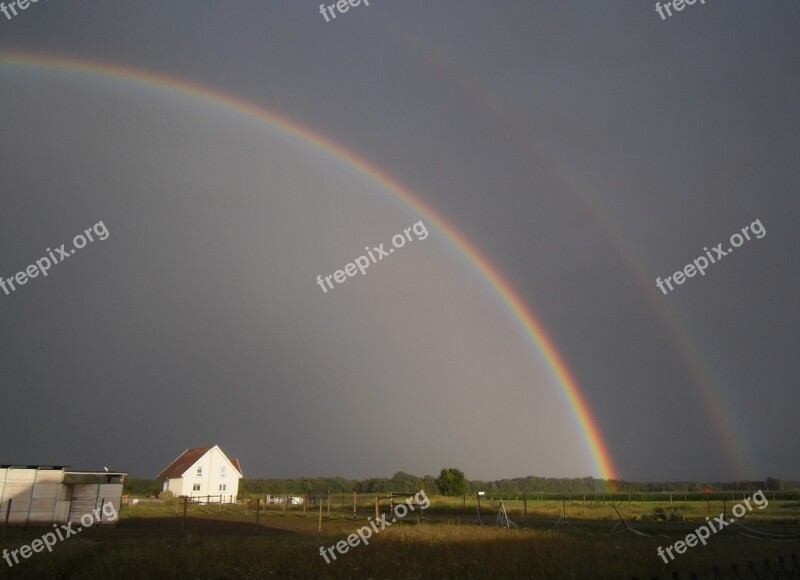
(47, 494)
(204, 473)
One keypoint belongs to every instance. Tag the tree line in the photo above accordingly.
(452, 481)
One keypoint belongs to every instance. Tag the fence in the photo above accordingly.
(204, 499)
(642, 496)
(767, 569)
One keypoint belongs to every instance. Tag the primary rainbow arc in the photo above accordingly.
(534, 329)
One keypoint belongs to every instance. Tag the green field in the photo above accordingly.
(216, 542)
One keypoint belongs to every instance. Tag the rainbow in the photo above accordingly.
(534, 329)
(735, 448)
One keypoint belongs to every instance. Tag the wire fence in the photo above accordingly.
(780, 568)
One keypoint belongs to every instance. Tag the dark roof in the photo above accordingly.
(186, 459)
(98, 472)
(14, 466)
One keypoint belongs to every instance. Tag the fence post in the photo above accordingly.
(100, 521)
(377, 516)
(183, 520)
(258, 515)
(8, 514)
(319, 526)
(355, 504)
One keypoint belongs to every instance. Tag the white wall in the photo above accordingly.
(216, 471)
(175, 485)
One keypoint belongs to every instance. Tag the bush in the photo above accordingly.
(451, 481)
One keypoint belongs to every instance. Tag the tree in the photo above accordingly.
(402, 482)
(451, 481)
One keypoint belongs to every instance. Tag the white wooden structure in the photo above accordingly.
(36, 495)
(287, 499)
(203, 473)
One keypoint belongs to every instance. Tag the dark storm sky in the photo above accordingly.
(585, 148)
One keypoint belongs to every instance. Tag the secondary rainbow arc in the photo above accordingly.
(534, 329)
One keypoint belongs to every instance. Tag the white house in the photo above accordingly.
(205, 473)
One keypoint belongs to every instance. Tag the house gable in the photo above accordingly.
(202, 471)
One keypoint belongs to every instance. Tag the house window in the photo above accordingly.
(196, 487)
(222, 471)
(200, 471)
(223, 487)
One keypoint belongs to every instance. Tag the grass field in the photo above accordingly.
(149, 543)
